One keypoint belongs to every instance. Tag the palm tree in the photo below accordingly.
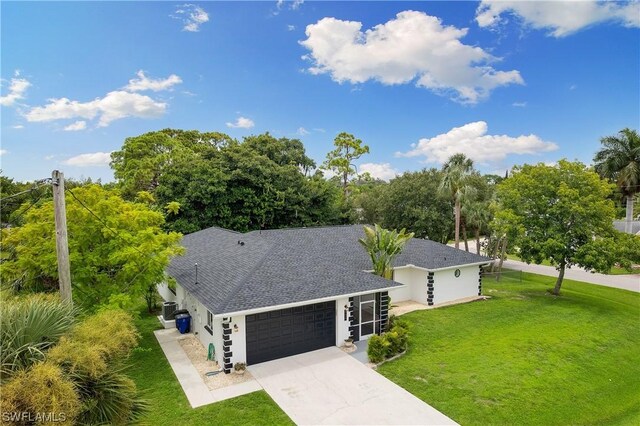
(383, 246)
(619, 160)
(455, 171)
(476, 214)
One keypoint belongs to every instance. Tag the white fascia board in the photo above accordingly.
(305, 302)
(458, 266)
(442, 269)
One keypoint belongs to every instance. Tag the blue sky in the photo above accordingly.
(506, 83)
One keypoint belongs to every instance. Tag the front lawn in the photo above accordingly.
(168, 404)
(527, 357)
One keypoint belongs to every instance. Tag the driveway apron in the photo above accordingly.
(328, 386)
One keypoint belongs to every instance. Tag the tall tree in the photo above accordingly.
(383, 246)
(619, 160)
(454, 181)
(340, 160)
(116, 248)
(560, 213)
(410, 201)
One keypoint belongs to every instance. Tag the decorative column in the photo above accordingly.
(226, 345)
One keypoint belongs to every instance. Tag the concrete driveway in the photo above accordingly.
(330, 387)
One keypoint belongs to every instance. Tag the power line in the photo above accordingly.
(114, 232)
(36, 185)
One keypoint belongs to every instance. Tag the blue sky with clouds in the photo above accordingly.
(504, 82)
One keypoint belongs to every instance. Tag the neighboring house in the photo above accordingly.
(264, 295)
(620, 226)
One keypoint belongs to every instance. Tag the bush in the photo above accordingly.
(377, 349)
(397, 338)
(29, 326)
(113, 330)
(396, 321)
(41, 389)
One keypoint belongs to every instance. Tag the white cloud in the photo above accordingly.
(3, 152)
(472, 140)
(413, 47)
(382, 171)
(17, 90)
(143, 83)
(519, 104)
(241, 123)
(302, 131)
(113, 106)
(94, 159)
(18, 127)
(78, 125)
(192, 17)
(293, 5)
(560, 18)
(291, 27)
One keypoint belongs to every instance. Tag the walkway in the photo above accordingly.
(192, 384)
(328, 386)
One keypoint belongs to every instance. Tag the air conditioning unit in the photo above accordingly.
(168, 310)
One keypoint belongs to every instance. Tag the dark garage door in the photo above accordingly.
(276, 334)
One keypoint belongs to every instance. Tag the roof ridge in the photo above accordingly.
(237, 285)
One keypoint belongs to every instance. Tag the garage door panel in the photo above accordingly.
(286, 332)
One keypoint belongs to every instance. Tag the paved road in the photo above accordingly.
(625, 282)
(330, 387)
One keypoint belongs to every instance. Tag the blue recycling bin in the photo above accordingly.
(183, 323)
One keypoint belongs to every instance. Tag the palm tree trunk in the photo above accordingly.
(556, 289)
(478, 240)
(464, 236)
(629, 216)
(457, 236)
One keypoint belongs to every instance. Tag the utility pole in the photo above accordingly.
(62, 244)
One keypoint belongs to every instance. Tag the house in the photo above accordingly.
(263, 295)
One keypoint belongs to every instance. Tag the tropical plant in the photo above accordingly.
(478, 216)
(29, 326)
(454, 182)
(383, 246)
(619, 161)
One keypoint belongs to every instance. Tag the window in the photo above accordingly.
(210, 320)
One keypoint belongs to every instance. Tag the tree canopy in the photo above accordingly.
(560, 213)
(117, 248)
(340, 160)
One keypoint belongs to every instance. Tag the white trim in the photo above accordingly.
(306, 302)
(462, 265)
(372, 322)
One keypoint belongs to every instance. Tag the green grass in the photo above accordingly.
(614, 271)
(527, 357)
(168, 404)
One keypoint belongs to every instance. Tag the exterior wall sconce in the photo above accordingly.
(346, 311)
(235, 327)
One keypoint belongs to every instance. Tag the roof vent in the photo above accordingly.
(240, 242)
(196, 265)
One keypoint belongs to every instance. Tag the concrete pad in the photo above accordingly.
(329, 386)
(195, 389)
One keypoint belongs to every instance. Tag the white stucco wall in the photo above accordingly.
(166, 294)
(342, 325)
(448, 287)
(416, 281)
(238, 339)
(198, 314)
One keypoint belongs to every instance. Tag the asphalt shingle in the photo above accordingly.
(277, 267)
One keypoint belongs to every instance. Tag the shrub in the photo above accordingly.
(113, 330)
(29, 326)
(79, 358)
(396, 321)
(377, 349)
(43, 388)
(397, 338)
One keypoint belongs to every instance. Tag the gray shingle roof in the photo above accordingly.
(277, 267)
